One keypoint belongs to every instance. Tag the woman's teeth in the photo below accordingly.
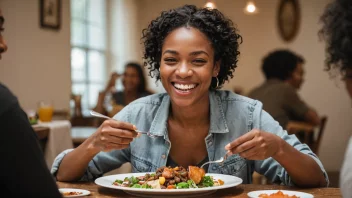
(185, 86)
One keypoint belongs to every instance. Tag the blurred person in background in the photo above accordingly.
(337, 32)
(283, 70)
(111, 101)
(24, 170)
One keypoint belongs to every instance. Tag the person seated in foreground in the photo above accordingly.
(337, 32)
(24, 170)
(193, 51)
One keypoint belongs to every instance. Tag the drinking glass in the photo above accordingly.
(45, 111)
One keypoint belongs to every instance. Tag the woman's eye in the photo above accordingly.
(170, 60)
(199, 61)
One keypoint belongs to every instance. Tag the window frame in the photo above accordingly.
(87, 49)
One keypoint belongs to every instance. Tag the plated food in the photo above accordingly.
(278, 194)
(108, 180)
(73, 192)
(171, 178)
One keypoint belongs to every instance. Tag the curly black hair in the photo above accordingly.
(337, 32)
(219, 30)
(280, 64)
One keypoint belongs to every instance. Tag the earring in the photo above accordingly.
(217, 83)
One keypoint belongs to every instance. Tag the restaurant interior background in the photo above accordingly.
(37, 65)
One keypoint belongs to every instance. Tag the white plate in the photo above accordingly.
(255, 194)
(84, 192)
(106, 181)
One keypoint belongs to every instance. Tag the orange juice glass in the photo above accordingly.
(45, 112)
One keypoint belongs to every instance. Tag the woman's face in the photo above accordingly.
(3, 46)
(131, 79)
(187, 66)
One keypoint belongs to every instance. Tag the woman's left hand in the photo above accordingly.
(255, 145)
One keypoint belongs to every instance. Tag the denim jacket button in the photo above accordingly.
(210, 143)
(163, 156)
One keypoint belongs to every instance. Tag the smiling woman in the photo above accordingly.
(193, 51)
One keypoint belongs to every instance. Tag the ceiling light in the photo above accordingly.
(210, 5)
(250, 8)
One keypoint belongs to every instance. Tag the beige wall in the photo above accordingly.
(260, 36)
(123, 33)
(37, 64)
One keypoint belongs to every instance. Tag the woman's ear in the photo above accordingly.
(216, 68)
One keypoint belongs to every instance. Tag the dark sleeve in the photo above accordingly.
(294, 104)
(23, 167)
(118, 98)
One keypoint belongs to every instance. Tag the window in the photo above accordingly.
(88, 49)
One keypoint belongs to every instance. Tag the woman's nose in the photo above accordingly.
(184, 71)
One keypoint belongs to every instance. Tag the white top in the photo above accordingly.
(346, 173)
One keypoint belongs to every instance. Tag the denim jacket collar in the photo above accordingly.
(159, 124)
(218, 122)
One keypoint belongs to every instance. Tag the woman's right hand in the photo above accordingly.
(112, 135)
(111, 83)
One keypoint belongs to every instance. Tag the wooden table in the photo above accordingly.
(237, 191)
(80, 133)
(41, 131)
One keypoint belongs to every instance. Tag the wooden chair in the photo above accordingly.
(294, 127)
(77, 107)
(62, 114)
(87, 121)
(316, 144)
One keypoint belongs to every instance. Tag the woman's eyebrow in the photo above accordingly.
(198, 52)
(171, 52)
(195, 53)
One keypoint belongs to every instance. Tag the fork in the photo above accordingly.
(220, 161)
(99, 115)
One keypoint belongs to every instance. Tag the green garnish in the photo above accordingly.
(192, 184)
(119, 181)
(207, 181)
(133, 180)
(136, 186)
(182, 185)
(145, 185)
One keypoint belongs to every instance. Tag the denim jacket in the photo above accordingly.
(231, 116)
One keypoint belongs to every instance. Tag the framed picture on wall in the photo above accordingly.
(288, 19)
(50, 14)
